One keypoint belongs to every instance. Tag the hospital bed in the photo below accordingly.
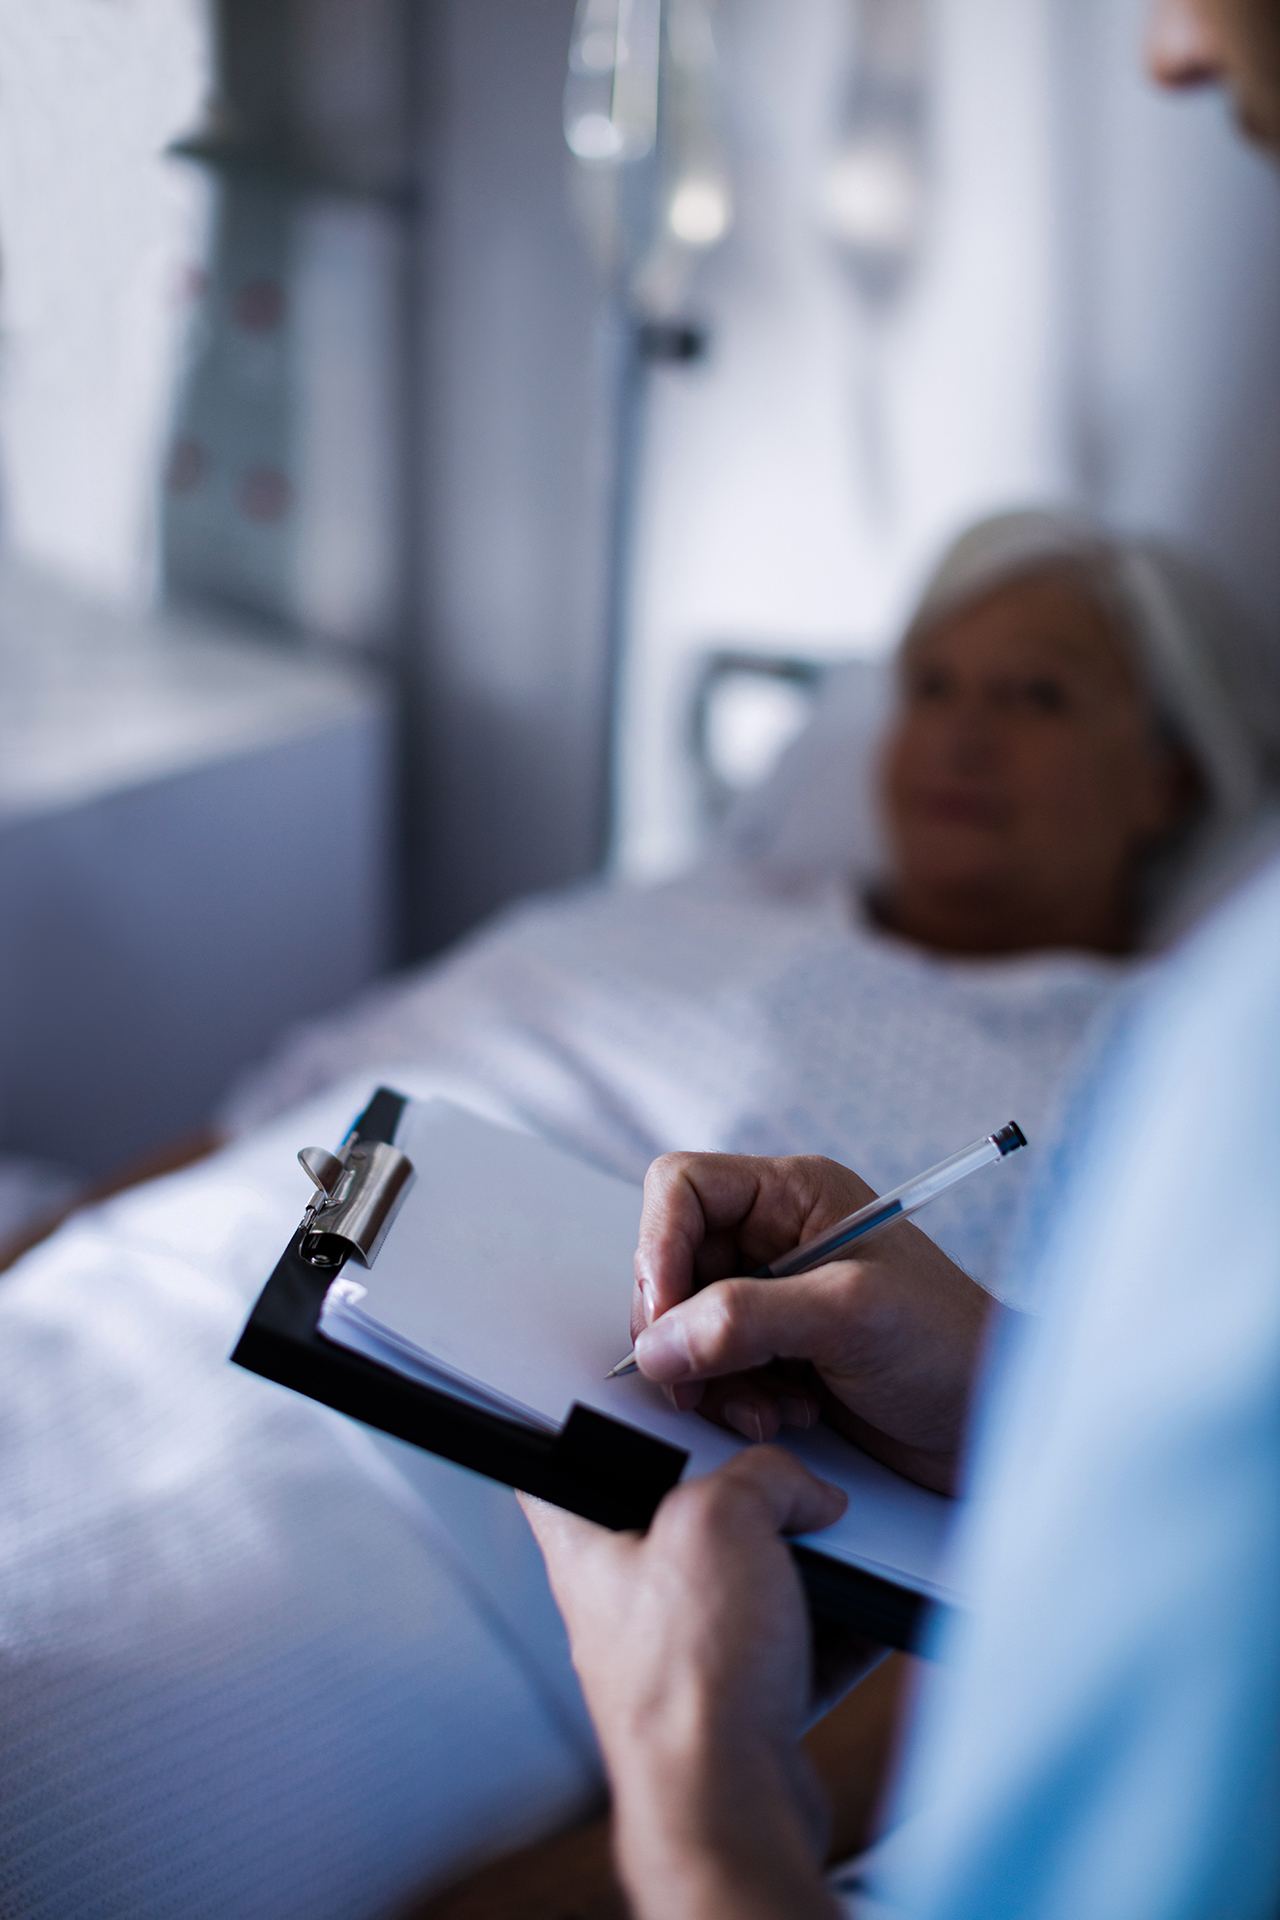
(257, 1660)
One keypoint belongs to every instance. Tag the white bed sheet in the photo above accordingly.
(243, 1672)
(259, 1662)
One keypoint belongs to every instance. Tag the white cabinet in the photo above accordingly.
(195, 839)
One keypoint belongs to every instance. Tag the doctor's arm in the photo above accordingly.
(693, 1643)
(692, 1646)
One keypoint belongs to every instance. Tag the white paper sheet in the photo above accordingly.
(507, 1277)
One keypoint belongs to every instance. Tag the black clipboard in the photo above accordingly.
(595, 1466)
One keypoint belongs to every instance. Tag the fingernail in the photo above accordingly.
(797, 1412)
(650, 1304)
(743, 1419)
(663, 1351)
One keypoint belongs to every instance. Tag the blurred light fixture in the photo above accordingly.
(698, 212)
(611, 94)
(874, 197)
(651, 187)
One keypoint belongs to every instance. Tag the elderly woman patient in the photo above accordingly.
(252, 1653)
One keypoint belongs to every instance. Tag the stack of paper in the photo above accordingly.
(506, 1281)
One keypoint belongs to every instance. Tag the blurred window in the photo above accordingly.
(99, 236)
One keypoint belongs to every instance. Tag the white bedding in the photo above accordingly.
(246, 1671)
(240, 1672)
(726, 1011)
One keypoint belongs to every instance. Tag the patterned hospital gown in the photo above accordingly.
(719, 1012)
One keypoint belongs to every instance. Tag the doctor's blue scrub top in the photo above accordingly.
(1102, 1738)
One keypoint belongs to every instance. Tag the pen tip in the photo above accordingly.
(624, 1366)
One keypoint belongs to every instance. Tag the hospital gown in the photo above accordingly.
(723, 1013)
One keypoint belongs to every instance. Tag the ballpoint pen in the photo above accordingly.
(895, 1205)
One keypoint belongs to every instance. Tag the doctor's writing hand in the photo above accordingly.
(892, 1339)
(693, 1648)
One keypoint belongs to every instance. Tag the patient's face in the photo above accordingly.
(1022, 777)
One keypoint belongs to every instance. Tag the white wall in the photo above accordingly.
(756, 523)
(98, 234)
(1177, 264)
(1091, 249)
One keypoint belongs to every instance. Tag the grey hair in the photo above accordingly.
(1210, 680)
(1212, 683)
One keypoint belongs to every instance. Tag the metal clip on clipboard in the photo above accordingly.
(358, 1193)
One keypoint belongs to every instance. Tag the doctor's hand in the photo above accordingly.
(692, 1644)
(892, 1339)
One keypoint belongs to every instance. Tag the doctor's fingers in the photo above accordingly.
(765, 1492)
(693, 1205)
(739, 1325)
(755, 1495)
(757, 1405)
(585, 1562)
(702, 1529)
(708, 1216)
